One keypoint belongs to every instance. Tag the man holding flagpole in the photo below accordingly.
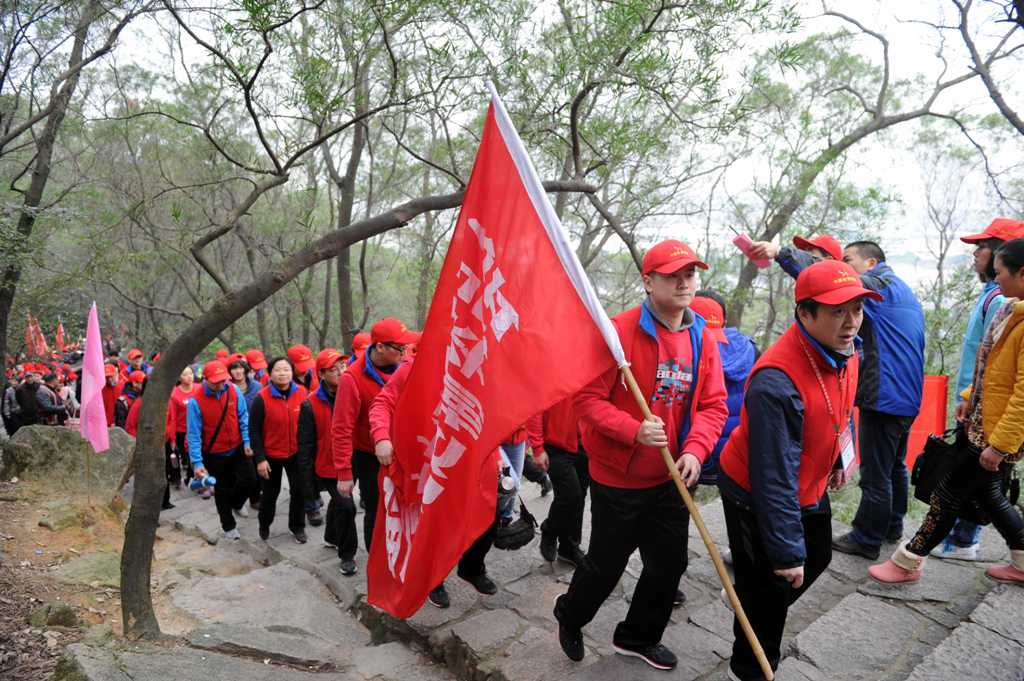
(634, 502)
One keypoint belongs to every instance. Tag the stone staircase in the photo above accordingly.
(953, 625)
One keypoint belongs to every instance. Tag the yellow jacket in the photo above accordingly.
(1002, 408)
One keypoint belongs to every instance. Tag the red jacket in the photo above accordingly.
(211, 407)
(560, 427)
(383, 406)
(790, 354)
(350, 428)
(131, 426)
(110, 395)
(321, 407)
(610, 418)
(274, 422)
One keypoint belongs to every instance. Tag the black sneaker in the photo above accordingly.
(678, 599)
(571, 554)
(658, 656)
(264, 533)
(548, 546)
(545, 486)
(571, 639)
(846, 544)
(438, 597)
(348, 567)
(481, 583)
(300, 537)
(314, 518)
(894, 535)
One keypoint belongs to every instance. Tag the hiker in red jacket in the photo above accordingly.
(562, 531)
(111, 389)
(634, 502)
(274, 427)
(350, 430)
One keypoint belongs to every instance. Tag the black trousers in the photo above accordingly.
(235, 476)
(296, 494)
(532, 471)
(765, 596)
(884, 481)
(623, 520)
(472, 562)
(570, 479)
(365, 468)
(340, 524)
(969, 481)
(184, 462)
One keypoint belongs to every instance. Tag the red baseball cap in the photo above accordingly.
(391, 330)
(236, 357)
(1003, 229)
(72, 376)
(361, 341)
(222, 354)
(669, 256)
(214, 371)
(327, 358)
(822, 241)
(301, 357)
(713, 315)
(108, 370)
(137, 376)
(256, 359)
(832, 283)
(134, 352)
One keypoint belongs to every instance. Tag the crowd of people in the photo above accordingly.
(774, 431)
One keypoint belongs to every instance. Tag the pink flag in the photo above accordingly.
(93, 425)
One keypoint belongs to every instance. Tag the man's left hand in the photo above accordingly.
(837, 479)
(248, 452)
(540, 457)
(689, 468)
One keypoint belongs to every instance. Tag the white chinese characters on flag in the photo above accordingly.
(513, 328)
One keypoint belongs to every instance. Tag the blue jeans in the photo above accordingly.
(516, 455)
(884, 481)
(964, 533)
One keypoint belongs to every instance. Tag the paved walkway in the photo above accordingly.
(280, 613)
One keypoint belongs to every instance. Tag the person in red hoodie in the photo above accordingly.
(258, 363)
(350, 429)
(471, 565)
(130, 392)
(274, 428)
(562, 531)
(634, 502)
(111, 389)
(177, 416)
(317, 458)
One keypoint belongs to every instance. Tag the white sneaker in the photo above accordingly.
(232, 534)
(725, 598)
(951, 551)
(241, 512)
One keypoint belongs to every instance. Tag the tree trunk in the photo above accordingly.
(44, 144)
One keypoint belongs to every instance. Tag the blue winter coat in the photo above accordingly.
(738, 357)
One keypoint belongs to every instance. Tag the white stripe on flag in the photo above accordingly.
(553, 226)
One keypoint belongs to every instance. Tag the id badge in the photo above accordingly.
(846, 449)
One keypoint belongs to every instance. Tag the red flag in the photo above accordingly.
(58, 339)
(41, 348)
(30, 337)
(513, 328)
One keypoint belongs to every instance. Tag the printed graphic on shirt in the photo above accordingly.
(672, 382)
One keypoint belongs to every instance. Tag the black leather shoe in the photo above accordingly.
(569, 638)
(571, 554)
(658, 656)
(846, 544)
(348, 567)
(315, 518)
(438, 597)
(678, 599)
(548, 546)
(300, 537)
(545, 486)
(264, 533)
(481, 583)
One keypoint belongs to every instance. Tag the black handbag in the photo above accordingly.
(517, 533)
(941, 456)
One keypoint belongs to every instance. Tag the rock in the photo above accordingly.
(53, 615)
(972, 652)
(98, 634)
(1001, 612)
(59, 453)
(100, 569)
(60, 515)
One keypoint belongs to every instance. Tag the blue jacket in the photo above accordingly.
(892, 370)
(981, 315)
(776, 413)
(738, 357)
(194, 432)
(252, 389)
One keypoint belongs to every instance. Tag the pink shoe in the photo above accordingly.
(206, 493)
(891, 573)
(1006, 573)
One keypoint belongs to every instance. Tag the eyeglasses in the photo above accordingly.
(395, 347)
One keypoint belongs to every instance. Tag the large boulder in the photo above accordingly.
(59, 454)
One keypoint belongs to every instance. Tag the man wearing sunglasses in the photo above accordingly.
(350, 429)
